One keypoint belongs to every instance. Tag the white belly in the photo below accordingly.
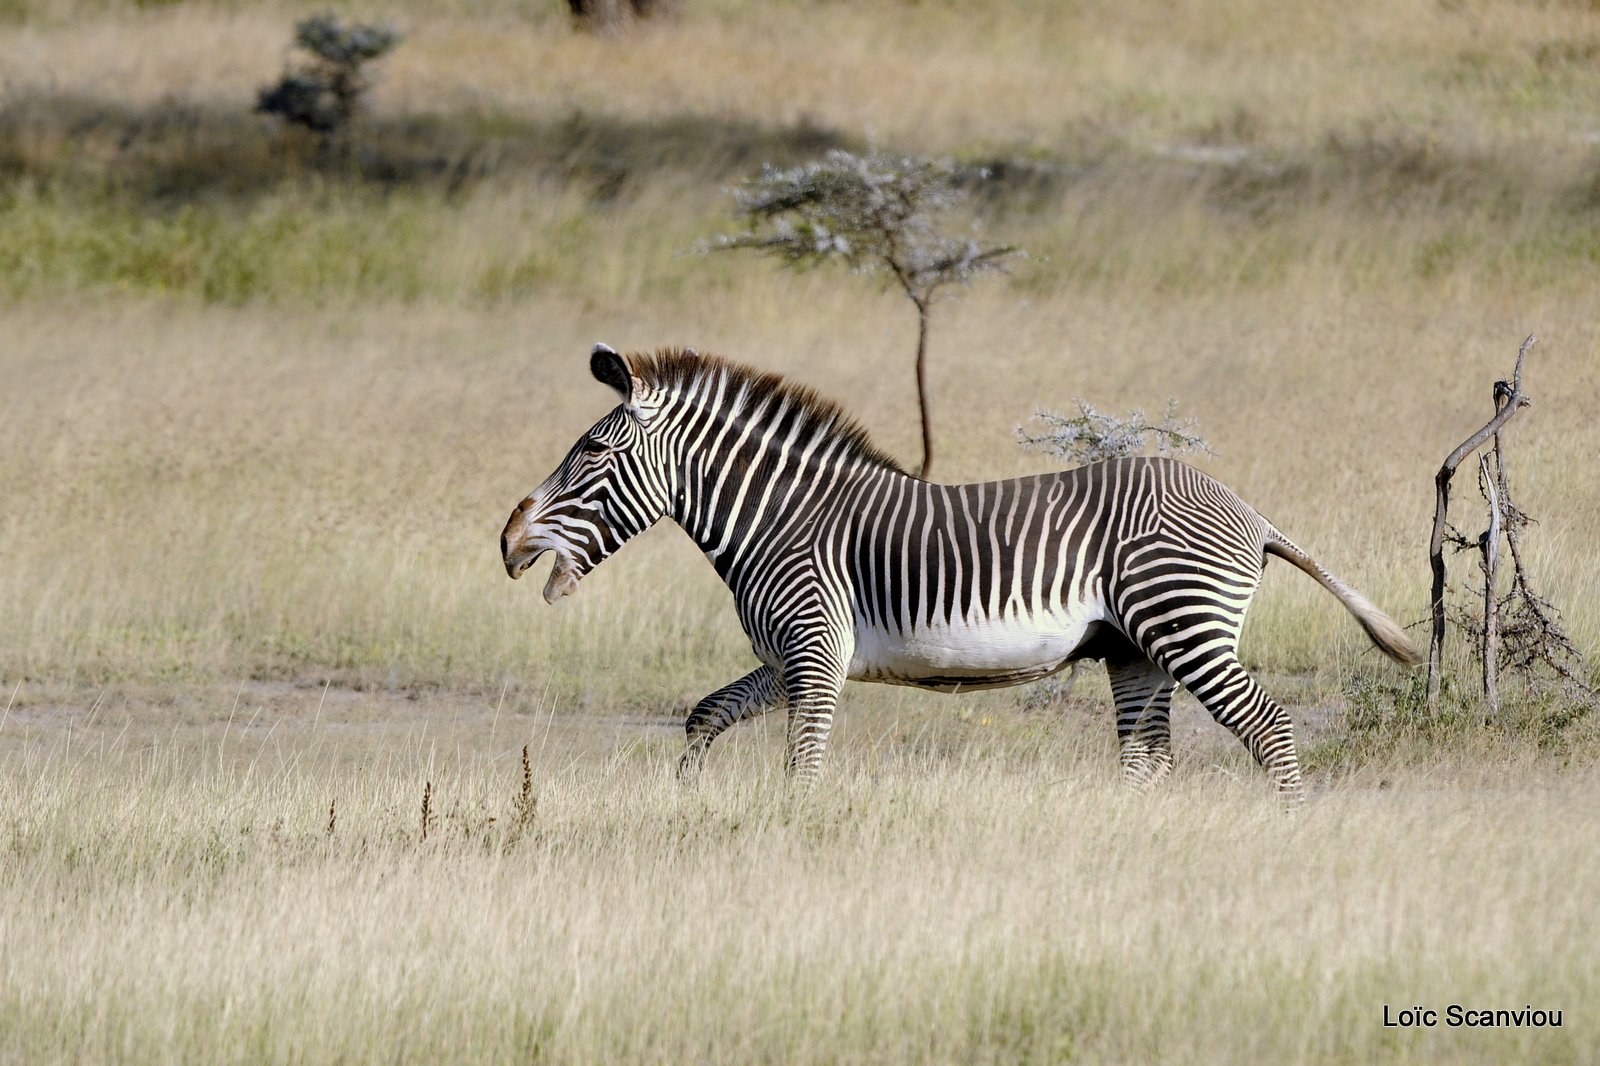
(985, 652)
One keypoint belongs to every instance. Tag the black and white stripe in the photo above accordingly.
(844, 567)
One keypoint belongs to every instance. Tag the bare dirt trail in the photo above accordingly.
(281, 715)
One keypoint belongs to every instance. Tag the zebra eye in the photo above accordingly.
(594, 447)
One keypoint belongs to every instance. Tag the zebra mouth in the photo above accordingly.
(564, 578)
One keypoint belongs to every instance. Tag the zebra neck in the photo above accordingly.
(741, 512)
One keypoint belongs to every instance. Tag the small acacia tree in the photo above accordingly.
(1092, 435)
(322, 93)
(878, 214)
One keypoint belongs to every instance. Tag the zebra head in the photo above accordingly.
(612, 486)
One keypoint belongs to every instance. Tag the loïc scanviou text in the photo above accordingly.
(1456, 1016)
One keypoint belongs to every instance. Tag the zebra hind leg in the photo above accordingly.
(752, 695)
(1221, 683)
(1142, 693)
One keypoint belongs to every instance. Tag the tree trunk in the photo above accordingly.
(1490, 544)
(924, 311)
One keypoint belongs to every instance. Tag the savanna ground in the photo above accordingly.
(266, 409)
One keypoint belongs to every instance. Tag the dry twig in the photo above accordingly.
(1514, 399)
(1519, 630)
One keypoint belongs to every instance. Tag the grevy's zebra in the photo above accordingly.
(845, 567)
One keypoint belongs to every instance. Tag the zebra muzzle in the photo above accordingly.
(563, 579)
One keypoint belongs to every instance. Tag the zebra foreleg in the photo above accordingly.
(812, 685)
(754, 694)
(1142, 692)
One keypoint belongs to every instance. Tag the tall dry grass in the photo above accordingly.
(202, 493)
(177, 896)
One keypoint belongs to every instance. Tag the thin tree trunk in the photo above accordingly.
(924, 311)
(1513, 518)
(1491, 591)
(1441, 511)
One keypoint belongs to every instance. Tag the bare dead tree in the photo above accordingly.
(1519, 630)
(1514, 400)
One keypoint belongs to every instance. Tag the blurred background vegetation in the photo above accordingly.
(1129, 143)
(267, 404)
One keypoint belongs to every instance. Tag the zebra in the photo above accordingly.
(845, 567)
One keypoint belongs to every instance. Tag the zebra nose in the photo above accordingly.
(503, 545)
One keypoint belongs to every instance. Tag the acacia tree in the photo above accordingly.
(878, 214)
(323, 91)
(1092, 435)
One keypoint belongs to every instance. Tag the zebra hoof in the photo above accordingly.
(690, 763)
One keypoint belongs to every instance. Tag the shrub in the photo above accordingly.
(1090, 435)
(324, 92)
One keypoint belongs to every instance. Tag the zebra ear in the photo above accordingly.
(609, 369)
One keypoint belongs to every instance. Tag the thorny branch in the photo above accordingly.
(1520, 630)
(1514, 399)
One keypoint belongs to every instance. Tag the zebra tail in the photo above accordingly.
(1385, 632)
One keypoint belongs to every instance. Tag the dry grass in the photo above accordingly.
(177, 896)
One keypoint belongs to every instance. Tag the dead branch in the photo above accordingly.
(1533, 632)
(1508, 401)
(1490, 545)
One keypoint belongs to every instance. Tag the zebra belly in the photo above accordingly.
(982, 653)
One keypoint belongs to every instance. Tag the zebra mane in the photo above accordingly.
(672, 369)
